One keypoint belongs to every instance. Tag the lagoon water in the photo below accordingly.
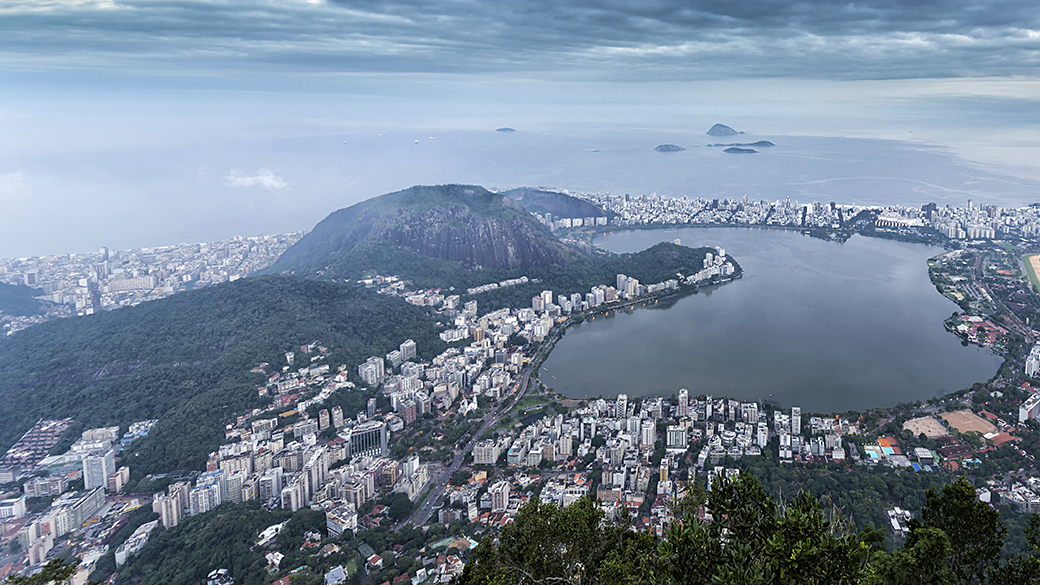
(825, 326)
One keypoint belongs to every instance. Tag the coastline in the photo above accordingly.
(1002, 367)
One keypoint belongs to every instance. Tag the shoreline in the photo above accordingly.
(598, 232)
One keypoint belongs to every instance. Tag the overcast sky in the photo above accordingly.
(123, 122)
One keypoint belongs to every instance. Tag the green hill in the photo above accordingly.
(18, 300)
(186, 359)
(465, 225)
(558, 204)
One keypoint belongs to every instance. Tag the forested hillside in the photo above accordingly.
(18, 300)
(186, 359)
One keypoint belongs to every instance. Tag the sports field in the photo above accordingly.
(1032, 269)
(927, 425)
(966, 421)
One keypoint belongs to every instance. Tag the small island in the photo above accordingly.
(738, 150)
(669, 148)
(759, 144)
(506, 130)
(722, 130)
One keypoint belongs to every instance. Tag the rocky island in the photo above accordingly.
(759, 144)
(669, 148)
(722, 130)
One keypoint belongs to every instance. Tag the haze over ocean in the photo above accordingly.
(133, 123)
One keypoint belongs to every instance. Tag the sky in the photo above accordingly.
(152, 122)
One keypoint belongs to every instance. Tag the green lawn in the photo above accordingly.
(1029, 271)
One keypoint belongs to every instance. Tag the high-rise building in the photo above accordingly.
(337, 417)
(1029, 409)
(373, 371)
(499, 496)
(796, 420)
(683, 408)
(408, 350)
(538, 303)
(648, 434)
(204, 498)
(621, 406)
(763, 435)
(369, 438)
(485, 452)
(1033, 361)
(216, 478)
(370, 410)
(677, 437)
(323, 419)
(546, 298)
(97, 467)
(170, 509)
(270, 484)
(180, 490)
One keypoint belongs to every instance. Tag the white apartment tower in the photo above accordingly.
(408, 350)
(796, 420)
(621, 407)
(97, 467)
(683, 409)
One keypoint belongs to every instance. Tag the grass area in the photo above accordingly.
(527, 402)
(1031, 270)
(1010, 247)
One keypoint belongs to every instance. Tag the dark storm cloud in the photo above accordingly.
(593, 39)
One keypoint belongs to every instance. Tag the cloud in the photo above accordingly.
(13, 185)
(607, 39)
(263, 178)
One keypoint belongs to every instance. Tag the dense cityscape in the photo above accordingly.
(466, 439)
(82, 284)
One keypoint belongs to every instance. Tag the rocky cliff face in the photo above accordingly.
(456, 233)
(461, 223)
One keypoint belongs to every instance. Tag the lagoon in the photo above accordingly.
(825, 326)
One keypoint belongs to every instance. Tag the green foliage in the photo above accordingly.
(185, 360)
(400, 507)
(974, 530)
(18, 300)
(750, 538)
(56, 571)
(460, 477)
(185, 554)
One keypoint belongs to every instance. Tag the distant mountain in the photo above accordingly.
(464, 225)
(18, 300)
(669, 148)
(722, 130)
(185, 359)
(506, 130)
(737, 150)
(558, 204)
(759, 144)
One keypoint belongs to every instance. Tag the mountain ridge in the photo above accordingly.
(466, 224)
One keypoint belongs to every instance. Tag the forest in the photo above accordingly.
(186, 360)
(18, 300)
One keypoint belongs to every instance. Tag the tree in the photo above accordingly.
(924, 561)
(752, 539)
(57, 571)
(975, 532)
(400, 507)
